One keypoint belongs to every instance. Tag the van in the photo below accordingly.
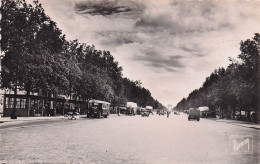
(194, 114)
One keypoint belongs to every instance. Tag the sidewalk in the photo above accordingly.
(19, 119)
(240, 123)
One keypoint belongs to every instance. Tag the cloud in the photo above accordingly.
(194, 50)
(157, 60)
(117, 38)
(183, 17)
(103, 9)
(109, 7)
(185, 28)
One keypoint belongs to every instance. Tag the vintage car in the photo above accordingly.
(145, 113)
(161, 112)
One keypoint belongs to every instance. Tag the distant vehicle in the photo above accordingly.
(98, 108)
(161, 112)
(130, 111)
(138, 111)
(149, 107)
(131, 108)
(194, 114)
(176, 113)
(121, 110)
(145, 113)
(204, 111)
(72, 115)
(240, 116)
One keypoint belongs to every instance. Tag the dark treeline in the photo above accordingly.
(230, 90)
(38, 58)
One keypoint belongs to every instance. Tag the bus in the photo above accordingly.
(97, 109)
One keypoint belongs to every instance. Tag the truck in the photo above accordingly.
(194, 114)
(97, 109)
(131, 108)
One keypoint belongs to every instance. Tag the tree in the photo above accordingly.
(32, 44)
(232, 89)
(14, 35)
(248, 70)
(38, 58)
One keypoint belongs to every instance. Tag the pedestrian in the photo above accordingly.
(168, 113)
(118, 111)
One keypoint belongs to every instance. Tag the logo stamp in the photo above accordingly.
(241, 144)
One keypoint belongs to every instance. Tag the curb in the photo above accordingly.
(237, 123)
(243, 124)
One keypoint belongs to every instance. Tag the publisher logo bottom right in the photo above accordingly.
(241, 144)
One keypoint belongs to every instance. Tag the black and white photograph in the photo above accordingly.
(130, 82)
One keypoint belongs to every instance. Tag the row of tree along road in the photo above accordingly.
(231, 92)
(37, 58)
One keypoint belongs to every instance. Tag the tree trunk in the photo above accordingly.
(13, 115)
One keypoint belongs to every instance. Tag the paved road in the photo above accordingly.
(129, 139)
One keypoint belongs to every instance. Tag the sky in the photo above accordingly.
(171, 46)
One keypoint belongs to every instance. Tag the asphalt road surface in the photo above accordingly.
(129, 139)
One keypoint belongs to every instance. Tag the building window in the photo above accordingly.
(23, 101)
(18, 103)
(9, 102)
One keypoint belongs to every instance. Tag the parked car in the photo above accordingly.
(145, 113)
(240, 116)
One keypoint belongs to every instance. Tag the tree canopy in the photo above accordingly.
(38, 58)
(231, 89)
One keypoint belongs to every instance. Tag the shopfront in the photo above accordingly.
(31, 105)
